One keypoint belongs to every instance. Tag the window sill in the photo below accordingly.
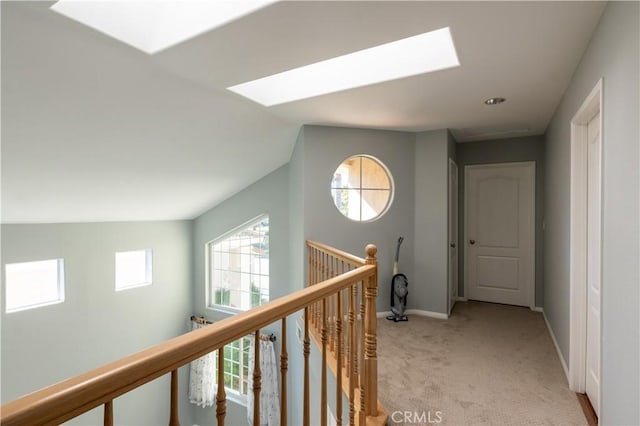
(236, 397)
(224, 309)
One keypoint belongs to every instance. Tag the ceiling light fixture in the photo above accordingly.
(152, 26)
(494, 101)
(407, 57)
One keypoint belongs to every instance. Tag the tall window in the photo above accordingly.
(238, 267)
(33, 284)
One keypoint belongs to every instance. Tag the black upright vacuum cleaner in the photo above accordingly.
(399, 290)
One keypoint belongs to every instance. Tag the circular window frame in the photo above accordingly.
(392, 188)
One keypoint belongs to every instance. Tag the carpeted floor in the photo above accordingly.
(488, 364)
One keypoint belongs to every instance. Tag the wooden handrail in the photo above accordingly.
(338, 254)
(70, 398)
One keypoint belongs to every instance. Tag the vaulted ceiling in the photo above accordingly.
(95, 130)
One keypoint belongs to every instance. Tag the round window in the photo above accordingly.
(362, 188)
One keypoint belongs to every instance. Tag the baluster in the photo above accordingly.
(360, 361)
(284, 365)
(327, 270)
(315, 311)
(339, 359)
(306, 349)
(257, 378)
(314, 265)
(174, 418)
(221, 396)
(323, 391)
(352, 353)
(309, 264)
(331, 311)
(356, 333)
(318, 307)
(312, 268)
(370, 332)
(361, 367)
(108, 413)
(347, 348)
(336, 312)
(342, 317)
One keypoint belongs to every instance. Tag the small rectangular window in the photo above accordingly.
(133, 269)
(34, 284)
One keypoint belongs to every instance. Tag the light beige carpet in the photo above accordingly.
(487, 364)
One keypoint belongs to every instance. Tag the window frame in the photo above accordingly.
(391, 190)
(208, 248)
(244, 343)
(148, 270)
(60, 286)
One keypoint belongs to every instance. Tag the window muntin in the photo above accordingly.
(362, 188)
(238, 267)
(134, 269)
(33, 284)
(236, 368)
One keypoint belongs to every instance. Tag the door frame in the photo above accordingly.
(532, 291)
(578, 241)
(453, 222)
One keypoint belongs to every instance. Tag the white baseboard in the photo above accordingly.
(418, 312)
(537, 309)
(555, 343)
(429, 314)
(461, 299)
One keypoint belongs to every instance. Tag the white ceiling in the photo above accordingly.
(95, 130)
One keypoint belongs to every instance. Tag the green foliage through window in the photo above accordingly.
(236, 365)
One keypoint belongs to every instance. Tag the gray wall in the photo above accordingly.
(613, 54)
(428, 290)
(297, 254)
(95, 324)
(504, 151)
(324, 149)
(452, 153)
(269, 195)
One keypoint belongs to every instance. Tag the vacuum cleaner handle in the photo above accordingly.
(400, 240)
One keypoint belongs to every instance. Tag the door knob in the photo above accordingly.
(472, 242)
(452, 245)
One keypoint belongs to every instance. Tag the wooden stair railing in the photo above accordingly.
(344, 327)
(323, 303)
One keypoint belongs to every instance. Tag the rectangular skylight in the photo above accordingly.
(152, 26)
(415, 55)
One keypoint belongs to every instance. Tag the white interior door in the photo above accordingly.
(500, 233)
(593, 262)
(453, 233)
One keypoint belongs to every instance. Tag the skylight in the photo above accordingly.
(152, 26)
(415, 55)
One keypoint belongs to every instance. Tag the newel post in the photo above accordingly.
(370, 335)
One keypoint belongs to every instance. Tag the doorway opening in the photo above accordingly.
(586, 246)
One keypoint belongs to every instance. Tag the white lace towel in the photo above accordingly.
(202, 374)
(269, 399)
